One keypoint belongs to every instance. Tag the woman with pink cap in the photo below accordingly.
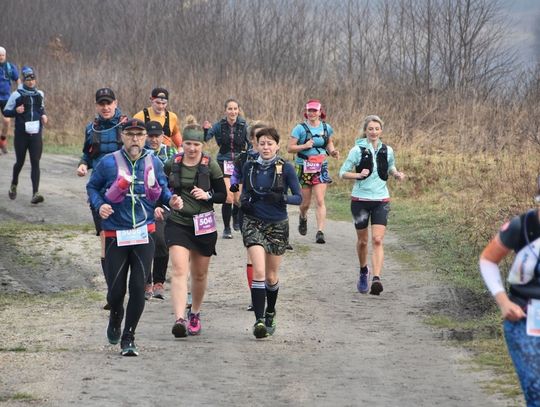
(312, 143)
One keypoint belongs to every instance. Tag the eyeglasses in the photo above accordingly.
(134, 135)
(30, 78)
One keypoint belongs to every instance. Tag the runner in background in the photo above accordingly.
(101, 136)
(190, 233)
(27, 106)
(266, 182)
(155, 284)
(369, 163)
(157, 111)
(520, 308)
(124, 187)
(231, 137)
(312, 142)
(8, 74)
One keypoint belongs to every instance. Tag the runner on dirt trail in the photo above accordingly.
(231, 137)
(521, 306)
(101, 136)
(312, 142)
(266, 225)
(27, 106)
(155, 284)
(8, 74)
(157, 111)
(125, 187)
(369, 163)
(236, 186)
(190, 233)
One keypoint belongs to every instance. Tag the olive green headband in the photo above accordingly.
(193, 135)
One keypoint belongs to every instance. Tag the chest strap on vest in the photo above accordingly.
(309, 136)
(202, 177)
(166, 125)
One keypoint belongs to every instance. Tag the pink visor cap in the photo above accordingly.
(313, 106)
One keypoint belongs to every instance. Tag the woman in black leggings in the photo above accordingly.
(26, 104)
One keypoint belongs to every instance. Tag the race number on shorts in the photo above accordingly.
(204, 223)
(533, 318)
(132, 236)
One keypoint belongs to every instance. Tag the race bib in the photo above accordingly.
(132, 236)
(312, 167)
(228, 167)
(204, 223)
(31, 127)
(533, 318)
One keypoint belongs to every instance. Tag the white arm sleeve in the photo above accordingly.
(492, 276)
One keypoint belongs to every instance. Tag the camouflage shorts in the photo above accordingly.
(274, 237)
(307, 180)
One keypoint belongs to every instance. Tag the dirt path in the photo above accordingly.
(332, 346)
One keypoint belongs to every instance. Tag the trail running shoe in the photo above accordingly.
(319, 237)
(159, 291)
(249, 307)
(302, 225)
(376, 286)
(227, 234)
(12, 192)
(259, 329)
(37, 198)
(128, 346)
(362, 284)
(107, 307)
(270, 322)
(114, 329)
(194, 325)
(179, 329)
(148, 291)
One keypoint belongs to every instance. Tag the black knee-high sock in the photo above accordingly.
(258, 298)
(234, 211)
(226, 210)
(103, 268)
(271, 296)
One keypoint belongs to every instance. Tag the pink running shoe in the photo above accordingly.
(194, 325)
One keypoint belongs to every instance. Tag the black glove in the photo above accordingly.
(246, 206)
(234, 188)
(274, 197)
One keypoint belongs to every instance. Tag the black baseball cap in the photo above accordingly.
(160, 93)
(154, 128)
(133, 124)
(105, 94)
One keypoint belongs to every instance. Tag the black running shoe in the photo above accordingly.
(37, 198)
(259, 329)
(270, 322)
(227, 234)
(128, 346)
(114, 330)
(12, 192)
(179, 329)
(319, 237)
(302, 225)
(376, 286)
(250, 307)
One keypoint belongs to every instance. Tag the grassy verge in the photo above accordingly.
(444, 214)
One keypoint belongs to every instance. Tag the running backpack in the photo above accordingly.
(277, 183)
(202, 177)
(366, 161)
(166, 125)
(309, 136)
(101, 145)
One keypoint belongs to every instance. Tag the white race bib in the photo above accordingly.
(132, 236)
(32, 127)
(533, 318)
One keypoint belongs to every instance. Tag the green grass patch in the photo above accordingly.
(74, 150)
(14, 349)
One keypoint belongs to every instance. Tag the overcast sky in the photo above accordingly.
(524, 19)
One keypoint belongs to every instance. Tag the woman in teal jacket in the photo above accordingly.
(369, 163)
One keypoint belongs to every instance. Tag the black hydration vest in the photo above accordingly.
(309, 136)
(239, 139)
(202, 177)
(366, 161)
(277, 183)
(101, 146)
(531, 232)
(166, 125)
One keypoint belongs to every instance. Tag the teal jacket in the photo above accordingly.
(371, 188)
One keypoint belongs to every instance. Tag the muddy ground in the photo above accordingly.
(333, 346)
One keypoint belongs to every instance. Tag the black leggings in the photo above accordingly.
(118, 260)
(161, 255)
(34, 145)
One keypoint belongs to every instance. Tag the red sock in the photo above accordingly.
(249, 274)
